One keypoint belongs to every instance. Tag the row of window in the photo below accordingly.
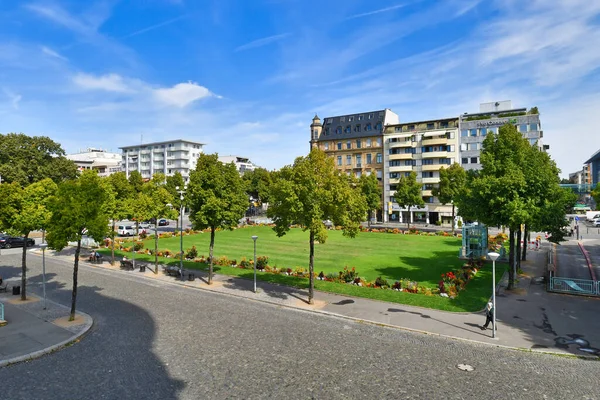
(428, 126)
(358, 144)
(358, 159)
(358, 117)
(357, 128)
(523, 128)
(470, 160)
(426, 161)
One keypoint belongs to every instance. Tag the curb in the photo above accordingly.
(370, 322)
(586, 254)
(89, 322)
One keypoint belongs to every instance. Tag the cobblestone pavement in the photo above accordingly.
(157, 340)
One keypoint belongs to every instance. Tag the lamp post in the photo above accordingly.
(254, 238)
(181, 192)
(493, 256)
(43, 246)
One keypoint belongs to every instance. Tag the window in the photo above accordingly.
(444, 124)
(360, 118)
(393, 187)
(328, 120)
(473, 132)
(369, 158)
(411, 127)
(326, 145)
(357, 128)
(359, 160)
(350, 119)
(464, 133)
(326, 131)
(409, 163)
(338, 130)
(339, 145)
(444, 161)
(378, 126)
(473, 160)
(358, 144)
(493, 130)
(348, 159)
(398, 129)
(430, 125)
(533, 127)
(427, 174)
(483, 131)
(532, 141)
(348, 129)
(368, 127)
(378, 172)
(371, 116)
(378, 141)
(339, 161)
(428, 161)
(465, 160)
(378, 158)
(394, 175)
(463, 147)
(523, 128)
(348, 144)
(369, 142)
(395, 163)
(358, 174)
(342, 119)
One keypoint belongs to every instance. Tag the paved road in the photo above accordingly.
(571, 263)
(156, 340)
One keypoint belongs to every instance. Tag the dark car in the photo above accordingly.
(163, 222)
(6, 242)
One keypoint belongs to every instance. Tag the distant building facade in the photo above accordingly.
(104, 162)
(422, 147)
(354, 141)
(592, 167)
(491, 116)
(166, 157)
(242, 164)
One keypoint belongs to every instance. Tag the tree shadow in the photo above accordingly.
(421, 269)
(115, 358)
(245, 283)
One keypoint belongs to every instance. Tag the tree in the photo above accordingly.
(25, 159)
(452, 184)
(408, 193)
(160, 205)
(369, 186)
(258, 183)
(117, 203)
(172, 183)
(313, 190)
(533, 110)
(596, 194)
(23, 211)
(135, 181)
(216, 196)
(77, 208)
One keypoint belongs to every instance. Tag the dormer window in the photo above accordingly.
(338, 130)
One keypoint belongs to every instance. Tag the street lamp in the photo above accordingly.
(181, 192)
(493, 256)
(43, 246)
(254, 238)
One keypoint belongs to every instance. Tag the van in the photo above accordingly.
(592, 215)
(125, 230)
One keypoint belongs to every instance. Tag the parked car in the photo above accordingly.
(597, 223)
(163, 222)
(6, 242)
(125, 230)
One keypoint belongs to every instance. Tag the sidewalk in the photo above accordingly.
(528, 317)
(31, 331)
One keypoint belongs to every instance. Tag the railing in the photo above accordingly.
(1, 312)
(574, 286)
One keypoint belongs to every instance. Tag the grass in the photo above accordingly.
(393, 257)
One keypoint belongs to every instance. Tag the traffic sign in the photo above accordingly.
(576, 218)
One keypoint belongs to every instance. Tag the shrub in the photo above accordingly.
(397, 285)
(348, 275)
(143, 235)
(261, 262)
(438, 222)
(244, 263)
(413, 230)
(321, 275)
(191, 253)
(138, 246)
(331, 277)
(222, 261)
(381, 282)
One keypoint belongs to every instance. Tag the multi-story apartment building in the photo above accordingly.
(161, 157)
(104, 162)
(491, 116)
(355, 141)
(592, 167)
(576, 178)
(242, 164)
(423, 147)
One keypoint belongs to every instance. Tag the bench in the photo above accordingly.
(3, 288)
(172, 270)
(127, 265)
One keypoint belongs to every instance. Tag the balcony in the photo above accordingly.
(401, 168)
(401, 156)
(426, 193)
(435, 154)
(434, 167)
(435, 141)
(358, 165)
(430, 180)
(400, 144)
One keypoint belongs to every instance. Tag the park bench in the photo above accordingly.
(127, 265)
(172, 270)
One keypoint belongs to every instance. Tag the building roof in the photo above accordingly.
(594, 157)
(352, 119)
(163, 142)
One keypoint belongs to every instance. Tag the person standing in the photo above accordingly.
(489, 315)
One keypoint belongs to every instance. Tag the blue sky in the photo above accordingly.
(246, 76)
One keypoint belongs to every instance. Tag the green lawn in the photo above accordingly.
(419, 258)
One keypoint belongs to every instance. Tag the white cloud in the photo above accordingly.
(381, 10)
(262, 42)
(155, 26)
(109, 82)
(182, 94)
(15, 98)
(48, 51)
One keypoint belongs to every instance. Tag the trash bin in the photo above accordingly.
(142, 268)
(191, 277)
(16, 290)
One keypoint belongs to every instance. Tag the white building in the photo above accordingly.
(104, 162)
(242, 164)
(161, 157)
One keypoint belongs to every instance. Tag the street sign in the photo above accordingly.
(576, 218)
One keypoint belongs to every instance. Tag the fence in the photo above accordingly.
(1, 312)
(586, 287)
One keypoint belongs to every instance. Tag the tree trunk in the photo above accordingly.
(453, 218)
(210, 254)
(24, 269)
(177, 224)
(518, 258)
(369, 216)
(511, 261)
(525, 240)
(156, 246)
(311, 268)
(112, 245)
(75, 270)
(407, 219)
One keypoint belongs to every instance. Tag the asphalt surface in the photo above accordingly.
(157, 340)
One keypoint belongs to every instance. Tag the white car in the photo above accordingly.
(597, 222)
(125, 230)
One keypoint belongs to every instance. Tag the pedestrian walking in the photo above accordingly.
(489, 315)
